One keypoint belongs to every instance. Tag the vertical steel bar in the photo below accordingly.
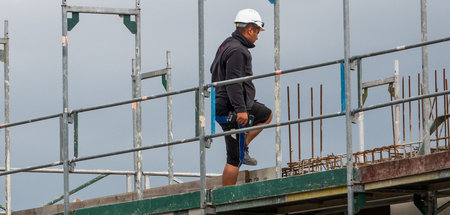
(419, 110)
(409, 109)
(298, 125)
(312, 123)
(436, 111)
(7, 130)
(445, 109)
(169, 116)
(321, 124)
(348, 117)
(289, 126)
(201, 107)
(403, 110)
(138, 137)
(276, 33)
(65, 125)
(393, 121)
(360, 114)
(425, 149)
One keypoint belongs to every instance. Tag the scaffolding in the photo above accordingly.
(201, 92)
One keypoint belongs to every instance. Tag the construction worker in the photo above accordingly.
(235, 104)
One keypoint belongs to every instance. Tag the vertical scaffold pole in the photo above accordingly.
(138, 122)
(360, 114)
(425, 149)
(169, 117)
(201, 104)
(348, 116)
(397, 136)
(7, 131)
(277, 86)
(65, 124)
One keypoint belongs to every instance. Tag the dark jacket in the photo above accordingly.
(233, 60)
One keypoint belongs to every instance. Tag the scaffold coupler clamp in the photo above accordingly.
(72, 165)
(208, 142)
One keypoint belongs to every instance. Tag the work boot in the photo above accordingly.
(249, 160)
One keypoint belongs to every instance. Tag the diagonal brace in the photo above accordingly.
(71, 22)
(131, 25)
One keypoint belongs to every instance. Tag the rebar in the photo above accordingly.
(321, 124)
(312, 123)
(289, 126)
(403, 109)
(445, 108)
(436, 110)
(298, 124)
(419, 107)
(409, 109)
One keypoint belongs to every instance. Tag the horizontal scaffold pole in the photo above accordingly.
(101, 10)
(143, 148)
(329, 63)
(116, 172)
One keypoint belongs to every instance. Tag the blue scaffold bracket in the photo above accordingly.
(213, 109)
(131, 25)
(71, 22)
(342, 87)
(272, 1)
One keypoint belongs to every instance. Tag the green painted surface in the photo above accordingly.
(250, 204)
(131, 25)
(164, 81)
(282, 186)
(71, 22)
(179, 202)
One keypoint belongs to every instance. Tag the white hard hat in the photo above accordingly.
(249, 16)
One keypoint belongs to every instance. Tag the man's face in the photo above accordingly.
(253, 34)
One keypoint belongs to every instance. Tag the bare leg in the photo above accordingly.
(230, 174)
(252, 134)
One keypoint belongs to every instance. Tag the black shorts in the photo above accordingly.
(236, 143)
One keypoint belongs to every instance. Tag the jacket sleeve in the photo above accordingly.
(235, 69)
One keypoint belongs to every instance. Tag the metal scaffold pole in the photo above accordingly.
(138, 121)
(201, 104)
(7, 130)
(277, 86)
(169, 117)
(348, 107)
(65, 115)
(425, 148)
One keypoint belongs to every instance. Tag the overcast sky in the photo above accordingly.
(100, 53)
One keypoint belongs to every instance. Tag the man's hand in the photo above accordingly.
(242, 118)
